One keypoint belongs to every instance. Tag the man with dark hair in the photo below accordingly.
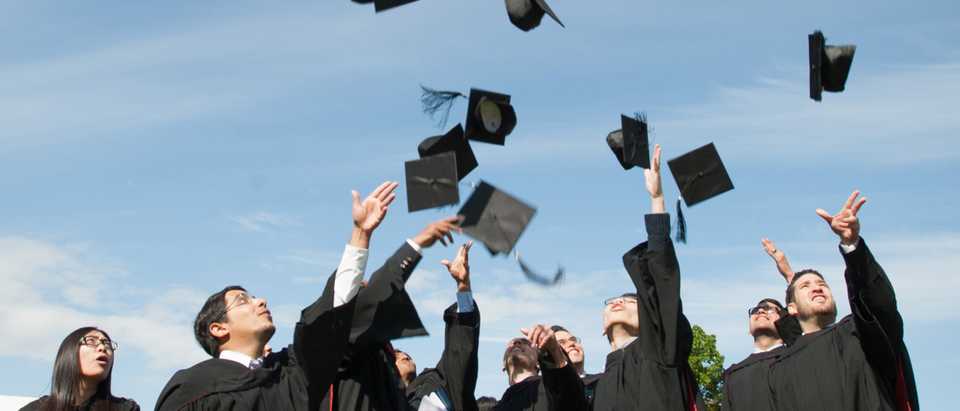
(859, 362)
(745, 385)
(556, 388)
(368, 378)
(650, 338)
(486, 403)
(574, 349)
(449, 386)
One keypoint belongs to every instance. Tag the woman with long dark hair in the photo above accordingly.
(81, 376)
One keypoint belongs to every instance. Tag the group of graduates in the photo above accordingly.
(341, 357)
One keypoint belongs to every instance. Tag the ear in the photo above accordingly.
(219, 330)
(792, 308)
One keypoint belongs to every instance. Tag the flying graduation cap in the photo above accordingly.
(630, 143)
(455, 142)
(700, 175)
(526, 14)
(432, 182)
(497, 219)
(490, 116)
(381, 5)
(829, 65)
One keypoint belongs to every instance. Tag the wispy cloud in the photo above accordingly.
(263, 221)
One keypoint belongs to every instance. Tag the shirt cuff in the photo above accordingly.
(416, 247)
(464, 302)
(349, 275)
(847, 249)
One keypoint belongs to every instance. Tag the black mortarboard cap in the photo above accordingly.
(829, 65)
(630, 143)
(381, 5)
(700, 175)
(526, 14)
(490, 117)
(432, 182)
(497, 219)
(455, 142)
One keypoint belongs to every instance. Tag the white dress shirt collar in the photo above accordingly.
(242, 359)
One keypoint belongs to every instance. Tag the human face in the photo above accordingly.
(763, 317)
(96, 356)
(571, 345)
(621, 311)
(405, 363)
(813, 298)
(520, 352)
(248, 316)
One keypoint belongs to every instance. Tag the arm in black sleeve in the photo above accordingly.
(563, 386)
(655, 272)
(459, 364)
(321, 336)
(871, 295)
(384, 310)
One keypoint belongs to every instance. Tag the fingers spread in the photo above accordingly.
(824, 214)
(856, 207)
(851, 199)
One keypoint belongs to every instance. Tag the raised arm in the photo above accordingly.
(563, 386)
(459, 364)
(779, 258)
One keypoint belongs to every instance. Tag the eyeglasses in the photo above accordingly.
(92, 341)
(568, 340)
(239, 300)
(769, 309)
(621, 300)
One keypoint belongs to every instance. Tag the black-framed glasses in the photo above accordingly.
(93, 341)
(621, 300)
(769, 309)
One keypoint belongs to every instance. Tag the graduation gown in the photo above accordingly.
(292, 379)
(368, 378)
(590, 385)
(456, 372)
(556, 389)
(115, 404)
(745, 385)
(652, 372)
(859, 363)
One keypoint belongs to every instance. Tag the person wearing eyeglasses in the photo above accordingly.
(234, 327)
(745, 385)
(573, 346)
(541, 376)
(450, 385)
(650, 338)
(82, 374)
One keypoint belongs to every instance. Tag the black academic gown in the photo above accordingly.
(859, 363)
(368, 378)
(590, 385)
(557, 389)
(292, 379)
(456, 372)
(115, 404)
(652, 372)
(745, 386)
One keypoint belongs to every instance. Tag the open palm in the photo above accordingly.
(369, 213)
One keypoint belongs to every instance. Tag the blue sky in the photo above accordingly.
(151, 154)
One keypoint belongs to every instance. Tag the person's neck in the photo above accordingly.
(519, 374)
(620, 336)
(816, 323)
(763, 342)
(252, 349)
(87, 389)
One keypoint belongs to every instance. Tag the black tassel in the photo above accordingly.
(434, 101)
(681, 224)
(537, 278)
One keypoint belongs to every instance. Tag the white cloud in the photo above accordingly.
(53, 290)
(263, 221)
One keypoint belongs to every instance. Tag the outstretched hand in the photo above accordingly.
(542, 337)
(783, 266)
(845, 223)
(369, 213)
(653, 182)
(441, 230)
(459, 268)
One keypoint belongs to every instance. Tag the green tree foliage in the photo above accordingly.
(707, 365)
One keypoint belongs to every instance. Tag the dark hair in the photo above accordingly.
(771, 301)
(213, 311)
(65, 384)
(486, 403)
(796, 276)
(557, 328)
